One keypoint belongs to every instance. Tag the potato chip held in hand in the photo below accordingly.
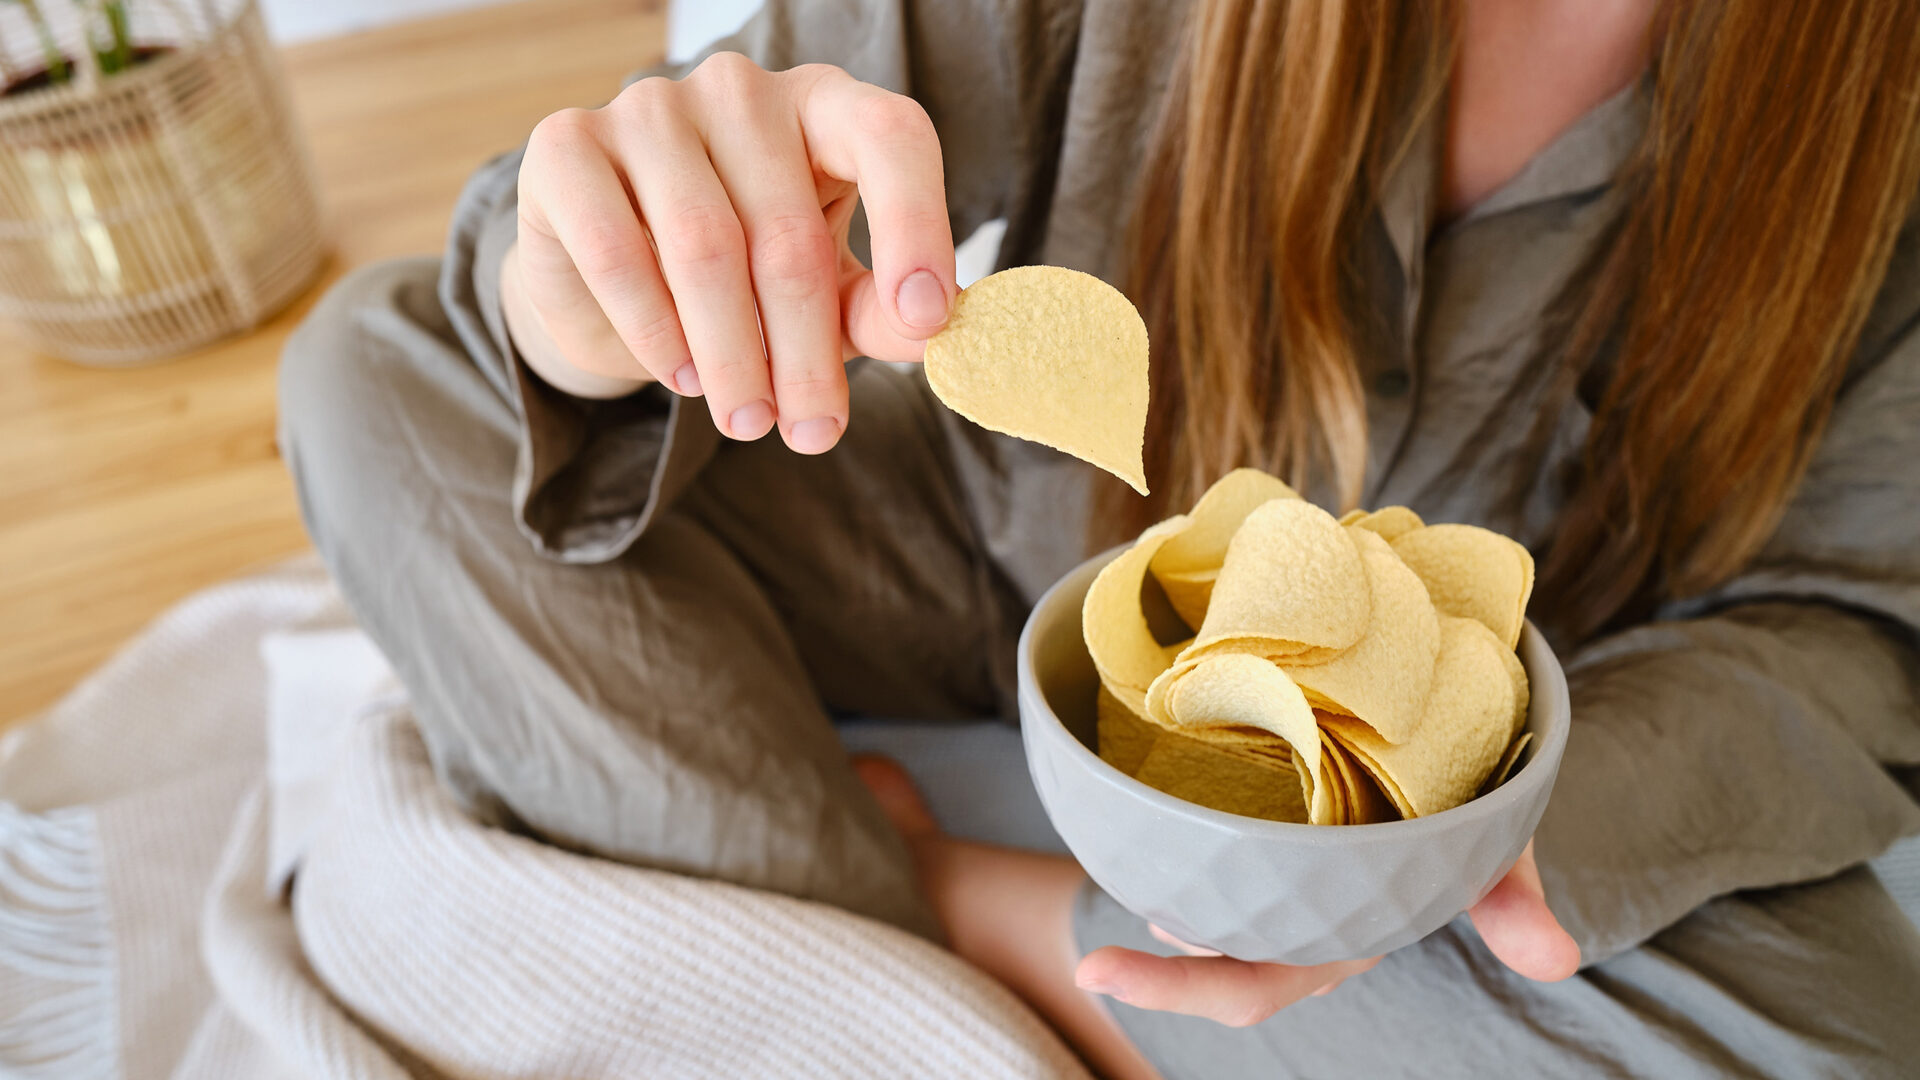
(1051, 355)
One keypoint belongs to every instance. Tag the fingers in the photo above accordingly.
(885, 143)
(893, 788)
(761, 160)
(869, 329)
(703, 254)
(1168, 939)
(606, 371)
(1518, 927)
(1327, 989)
(694, 232)
(1228, 991)
(587, 264)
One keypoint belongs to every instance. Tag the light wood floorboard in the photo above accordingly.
(123, 491)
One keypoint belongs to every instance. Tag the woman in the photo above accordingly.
(1629, 282)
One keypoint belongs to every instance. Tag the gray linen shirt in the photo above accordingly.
(1760, 735)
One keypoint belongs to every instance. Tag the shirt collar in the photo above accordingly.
(1584, 157)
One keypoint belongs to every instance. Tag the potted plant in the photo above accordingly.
(153, 194)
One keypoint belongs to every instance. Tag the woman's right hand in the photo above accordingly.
(694, 233)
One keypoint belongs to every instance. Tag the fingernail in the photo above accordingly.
(750, 421)
(1101, 986)
(815, 436)
(687, 380)
(1329, 988)
(922, 300)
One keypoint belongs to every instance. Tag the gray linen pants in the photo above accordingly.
(669, 708)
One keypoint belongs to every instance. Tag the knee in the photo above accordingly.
(328, 368)
(338, 380)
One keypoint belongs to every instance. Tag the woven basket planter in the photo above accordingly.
(159, 208)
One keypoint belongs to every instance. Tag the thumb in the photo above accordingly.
(1518, 927)
(868, 327)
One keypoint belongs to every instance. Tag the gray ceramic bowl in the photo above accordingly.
(1266, 890)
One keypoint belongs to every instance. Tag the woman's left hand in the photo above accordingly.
(1513, 920)
(1010, 913)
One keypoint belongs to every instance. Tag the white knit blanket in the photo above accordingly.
(149, 825)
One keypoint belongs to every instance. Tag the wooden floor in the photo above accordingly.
(123, 491)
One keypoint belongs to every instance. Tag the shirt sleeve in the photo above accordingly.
(1764, 734)
(591, 475)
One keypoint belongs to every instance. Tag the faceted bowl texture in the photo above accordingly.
(1266, 890)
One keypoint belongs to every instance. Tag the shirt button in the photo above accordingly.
(1392, 383)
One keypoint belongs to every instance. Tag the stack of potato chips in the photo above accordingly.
(1310, 669)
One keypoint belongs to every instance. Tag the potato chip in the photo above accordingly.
(1183, 661)
(1335, 809)
(1363, 802)
(1384, 678)
(1292, 585)
(1123, 647)
(1190, 592)
(1124, 736)
(1338, 729)
(1522, 696)
(1472, 573)
(1210, 776)
(1216, 517)
(1268, 749)
(1221, 695)
(1364, 663)
(1237, 770)
(1388, 522)
(1189, 564)
(1349, 796)
(1252, 741)
(1052, 355)
(1327, 798)
(1247, 692)
(1509, 761)
(1459, 739)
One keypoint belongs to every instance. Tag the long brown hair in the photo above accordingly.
(1760, 213)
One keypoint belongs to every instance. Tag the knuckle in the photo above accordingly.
(701, 237)
(893, 119)
(815, 74)
(655, 335)
(734, 377)
(604, 249)
(727, 73)
(794, 251)
(561, 131)
(813, 383)
(816, 70)
(645, 101)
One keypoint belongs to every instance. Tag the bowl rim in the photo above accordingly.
(1540, 769)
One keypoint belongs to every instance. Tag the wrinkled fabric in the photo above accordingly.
(1747, 739)
(1813, 980)
(668, 707)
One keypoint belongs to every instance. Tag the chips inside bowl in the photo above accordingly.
(1052, 355)
(1340, 671)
